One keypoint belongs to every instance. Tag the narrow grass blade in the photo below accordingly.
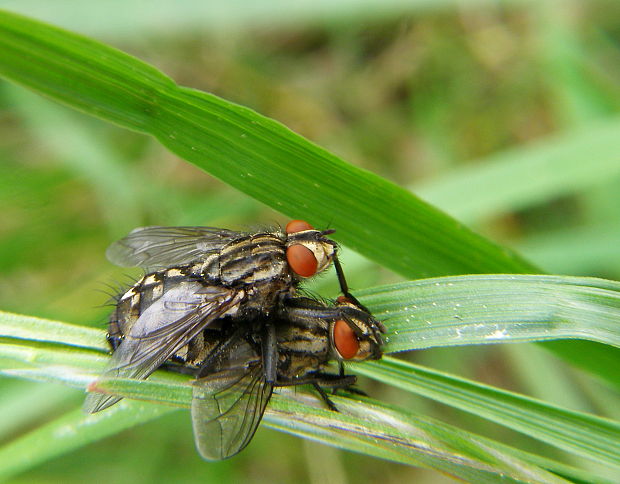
(389, 436)
(580, 433)
(367, 427)
(494, 308)
(38, 329)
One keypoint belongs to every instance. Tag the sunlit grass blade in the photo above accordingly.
(53, 363)
(495, 308)
(289, 415)
(583, 434)
(407, 438)
(75, 367)
(367, 427)
(506, 308)
(446, 311)
(39, 329)
(79, 366)
(247, 151)
(286, 404)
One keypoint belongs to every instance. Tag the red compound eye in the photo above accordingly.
(302, 260)
(297, 226)
(345, 340)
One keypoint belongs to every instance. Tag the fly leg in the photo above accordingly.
(325, 397)
(335, 382)
(344, 287)
(270, 353)
(326, 380)
(349, 388)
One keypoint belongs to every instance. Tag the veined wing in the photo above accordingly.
(161, 330)
(228, 405)
(155, 248)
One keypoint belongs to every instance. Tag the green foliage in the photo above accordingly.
(94, 193)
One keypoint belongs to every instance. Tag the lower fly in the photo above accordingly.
(243, 364)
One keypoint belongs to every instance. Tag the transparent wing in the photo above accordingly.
(228, 404)
(161, 330)
(155, 248)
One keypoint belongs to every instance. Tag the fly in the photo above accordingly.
(223, 304)
(269, 264)
(233, 387)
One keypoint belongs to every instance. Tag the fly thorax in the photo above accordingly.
(303, 341)
(253, 259)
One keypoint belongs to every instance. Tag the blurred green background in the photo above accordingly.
(505, 114)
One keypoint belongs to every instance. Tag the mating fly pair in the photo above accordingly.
(224, 306)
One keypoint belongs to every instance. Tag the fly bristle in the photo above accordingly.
(264, 228)
(112, 298)
(115, 291)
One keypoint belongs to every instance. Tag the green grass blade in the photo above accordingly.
(450, 311)
(45, 330)
(77, 366)
(506, 308)
(391, 434)
(247, 151)
(495, 308)
(50, 363)
(165, 388)
(583, 434)
(446, 311)
(363, 426)
(445, 449)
